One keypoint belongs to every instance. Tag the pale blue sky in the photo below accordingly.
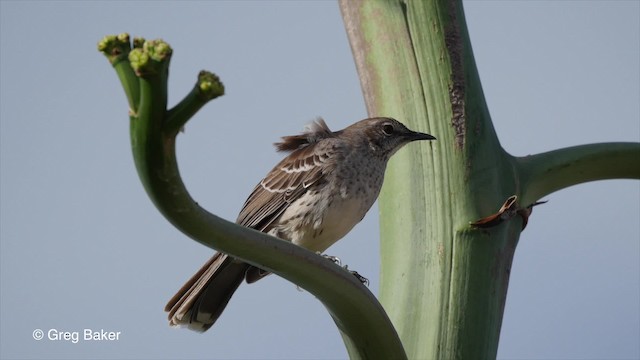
(81, 245)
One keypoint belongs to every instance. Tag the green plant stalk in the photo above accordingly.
(116, 48)
(444, 283)
(207, 88)
(363, 324)
(545, 173)
(129, 84)
(425, 238)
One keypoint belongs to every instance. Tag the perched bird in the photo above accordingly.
(312, 198)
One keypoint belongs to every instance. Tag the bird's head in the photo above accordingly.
(383, 135)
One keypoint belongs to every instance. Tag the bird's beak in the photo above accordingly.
(413, 136)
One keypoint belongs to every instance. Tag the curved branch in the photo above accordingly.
(545, 173)
(363, 323)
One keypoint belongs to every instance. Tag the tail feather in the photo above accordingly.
(200, 301)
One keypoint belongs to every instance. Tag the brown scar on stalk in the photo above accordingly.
(509, 209)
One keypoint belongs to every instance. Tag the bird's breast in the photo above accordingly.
(320, 218)
(340, 217)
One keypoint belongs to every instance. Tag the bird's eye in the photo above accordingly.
(387, 129)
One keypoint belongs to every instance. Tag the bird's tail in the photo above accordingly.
(200, 301)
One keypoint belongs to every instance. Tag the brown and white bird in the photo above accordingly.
(312, 198)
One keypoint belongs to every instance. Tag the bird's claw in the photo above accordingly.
(361, 278)
(334, 259)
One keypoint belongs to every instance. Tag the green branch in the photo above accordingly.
(545, 173)
(363, 323)
(116, 48)
(207, 88)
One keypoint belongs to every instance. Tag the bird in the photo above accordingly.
(313, 198)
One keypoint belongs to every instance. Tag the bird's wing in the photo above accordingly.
(286, 182)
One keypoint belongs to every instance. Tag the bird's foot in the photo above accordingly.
(361, 278)
(336, 260)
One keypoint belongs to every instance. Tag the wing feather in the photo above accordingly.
(287, 182)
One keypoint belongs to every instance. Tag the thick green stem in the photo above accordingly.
(364, 325)
(442, 282)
